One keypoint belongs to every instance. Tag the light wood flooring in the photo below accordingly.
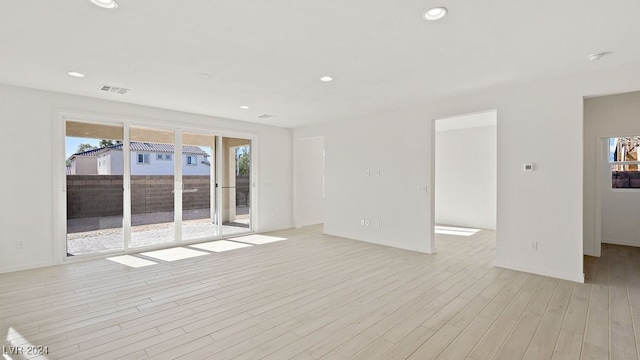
(314, 296)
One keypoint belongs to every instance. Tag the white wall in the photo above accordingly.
(198, 169)
(465, 172)
(309, 181)
(542, 120)
(114, 162)
(84, 165)
(28, 210)
(617, 211)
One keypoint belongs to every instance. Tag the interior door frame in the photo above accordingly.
(59, 184)
(603, 176)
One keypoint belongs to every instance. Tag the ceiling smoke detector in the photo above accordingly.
(598, 56)
(114, 89)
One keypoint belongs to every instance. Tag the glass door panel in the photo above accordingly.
(198, 194)
(94, 188)
(152, 160)
(235, 180)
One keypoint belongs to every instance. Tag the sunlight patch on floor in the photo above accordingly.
(131, 261)
(174, 254)
(220, 246)
(451, 230)
(258, 239)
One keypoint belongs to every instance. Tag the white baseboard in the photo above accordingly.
(26, 267)
(621, 242)
(578, 277)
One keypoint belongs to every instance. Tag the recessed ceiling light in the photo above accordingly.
(244, 107)
(436, 13)
(75, 74)
(326, 78)
(107, 4)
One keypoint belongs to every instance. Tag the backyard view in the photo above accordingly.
(623, 159)
(97, 200)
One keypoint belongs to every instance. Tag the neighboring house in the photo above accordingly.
(146, 159)
(83, 163)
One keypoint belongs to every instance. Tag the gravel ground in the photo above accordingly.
(94, 235)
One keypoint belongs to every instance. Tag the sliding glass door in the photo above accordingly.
(152, 161)
(94, 188)
(199, 191)
(234, 178)
(128, 187)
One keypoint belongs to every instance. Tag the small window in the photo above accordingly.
(624, 162)
(143, 158)
(191, 160)
(158, 156)
(167, 157)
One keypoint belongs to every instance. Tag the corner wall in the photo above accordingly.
(540, 123)
(28, 119)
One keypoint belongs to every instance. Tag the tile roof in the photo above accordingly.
(91, 152)
(145, 146)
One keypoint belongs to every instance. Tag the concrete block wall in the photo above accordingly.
(625, 179)
(94, 195)
(101, 195)
(152, 193)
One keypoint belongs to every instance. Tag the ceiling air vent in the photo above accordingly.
(114, 89)
(265, 116)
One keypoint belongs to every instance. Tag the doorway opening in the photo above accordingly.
(465, 172)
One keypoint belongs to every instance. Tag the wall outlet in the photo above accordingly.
(20, 244)
(533, 245)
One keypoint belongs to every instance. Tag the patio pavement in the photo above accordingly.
(95, 235)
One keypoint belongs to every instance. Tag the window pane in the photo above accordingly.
(198, 196)
(152, 188)
(624, 148)
(623, 157)
(625, 176)
(94, 187)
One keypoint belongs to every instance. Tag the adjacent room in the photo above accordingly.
(465, 159)
(319, 180)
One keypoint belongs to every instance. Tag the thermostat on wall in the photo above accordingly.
(528, 167)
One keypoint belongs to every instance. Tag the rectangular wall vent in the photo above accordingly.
(114, 89)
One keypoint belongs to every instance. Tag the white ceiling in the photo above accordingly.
(270, 54)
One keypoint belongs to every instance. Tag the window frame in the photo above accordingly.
(612, 163)
(146, 156)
